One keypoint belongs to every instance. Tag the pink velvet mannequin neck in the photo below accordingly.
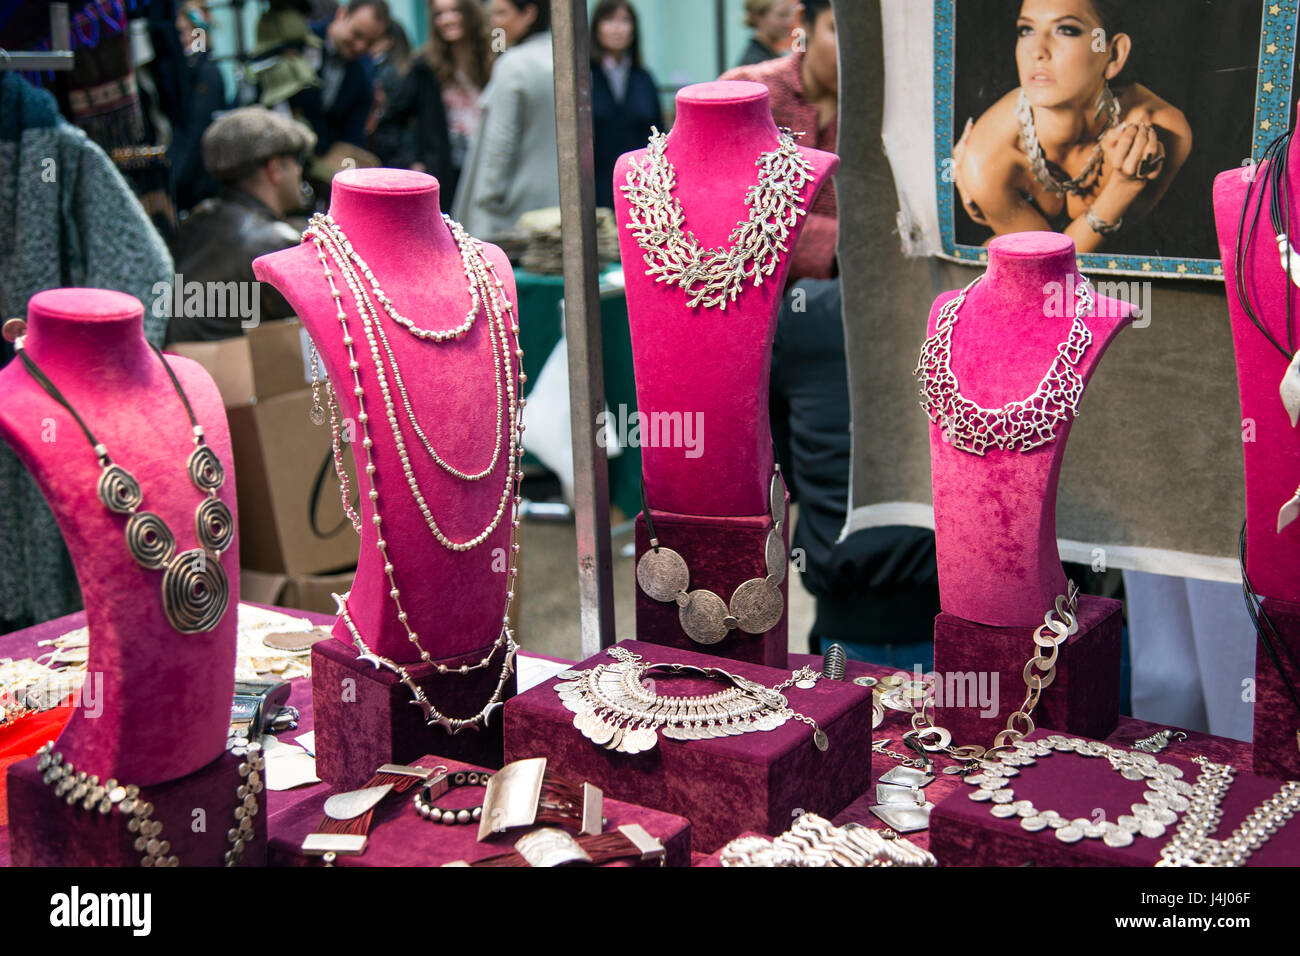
(1271, 447)
(454, 600)
(706, 363)
(165, 696)
(995, 516)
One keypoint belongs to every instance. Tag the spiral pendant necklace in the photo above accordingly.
(195, 592)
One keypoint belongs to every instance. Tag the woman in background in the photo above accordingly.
(771, 21)
(447, 79)
(624, 99)
(512, 166)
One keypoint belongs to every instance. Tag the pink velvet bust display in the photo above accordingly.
(455, 601)
(995, 516)
(157, 702)
(1270, 445)
(709, 363)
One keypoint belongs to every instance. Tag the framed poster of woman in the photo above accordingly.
(1105, 120)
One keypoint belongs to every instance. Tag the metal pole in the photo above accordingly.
(582, 320)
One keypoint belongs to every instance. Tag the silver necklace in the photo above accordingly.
(615, 709)
(76, 786)
(329, 240)
(1166, 795)
(1077, 185)
(713, 277)
(756, 605)
(1192, 844)
(1018, 426)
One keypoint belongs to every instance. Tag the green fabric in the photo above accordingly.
(67, 218)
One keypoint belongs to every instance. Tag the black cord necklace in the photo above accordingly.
(1273, 182)
(1268, 635)
(195, 592)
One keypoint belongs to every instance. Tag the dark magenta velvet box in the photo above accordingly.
(1083, 699)
(365, 716)
(964, 832)
(400, 837)
(721, 553)
(725, 786)
(195, 811)
(1277, 748)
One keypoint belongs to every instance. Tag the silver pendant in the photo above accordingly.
(757, 606)
(195, 592)
(1289, 388)
(703, 617)
(1289, 511)
(353, 803)
(662, 574)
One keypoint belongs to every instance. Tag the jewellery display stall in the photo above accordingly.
(1001, 376)
(725, 779)
(708, 215)
(1253, 214)
(427, 619)
(148, 516)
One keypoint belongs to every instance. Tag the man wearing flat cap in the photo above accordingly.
(257, 157)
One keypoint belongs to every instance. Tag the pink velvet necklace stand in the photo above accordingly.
(709, 501)
(156, 708)
(995, 515)
(1271, 448)
(454, 599)
(726, 785)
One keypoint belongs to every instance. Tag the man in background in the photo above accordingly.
(338, 108)
(804, 94)
(257, 156)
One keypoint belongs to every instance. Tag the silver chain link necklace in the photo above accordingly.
(1077, 185)
(1019, 426)
(713, 277)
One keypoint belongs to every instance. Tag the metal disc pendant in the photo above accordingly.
(820, 739)
(776, 558)
(205, 469)
(757, 606)
(703, 617)
(118, 490)
(195, 592)
(214, 525)
(662, 574)
(776, 497)
(149, 540)
(317, 414)
(1290, 389)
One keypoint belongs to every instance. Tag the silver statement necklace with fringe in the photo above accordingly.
(713, 277)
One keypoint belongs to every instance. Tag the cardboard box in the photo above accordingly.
(269, 359)
(291, 520)
(258, 587)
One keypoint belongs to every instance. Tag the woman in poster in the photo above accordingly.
(1070, 151)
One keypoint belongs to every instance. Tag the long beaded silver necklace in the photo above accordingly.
(714, 277)
(485, 292)
(1019, 426)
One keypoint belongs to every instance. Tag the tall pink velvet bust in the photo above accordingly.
(1270, 445)
(706, 362)
(995, 515)
(454, 600)
(157, 702)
